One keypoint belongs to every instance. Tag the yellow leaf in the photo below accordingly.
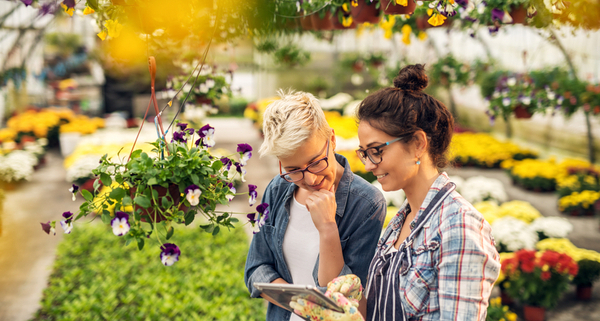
(102, 35)
(88, 11)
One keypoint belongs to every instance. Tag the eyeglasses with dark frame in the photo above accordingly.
(315, 167)
(374, 153)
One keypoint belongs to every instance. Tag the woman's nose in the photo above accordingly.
(369, 166)
(310, 178)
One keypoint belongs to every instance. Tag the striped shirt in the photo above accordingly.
(454, 262)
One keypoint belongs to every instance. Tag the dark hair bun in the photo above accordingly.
(411, 78)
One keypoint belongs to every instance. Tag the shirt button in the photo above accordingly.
(412, 224)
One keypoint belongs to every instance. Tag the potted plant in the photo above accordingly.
(447, 70)
(204, 88)
(398, 6)
(589, 272)
(517, 94)
(499, 12)
(342, 17)
(538, 280)
(291, 55)
(149, 193)
(579, 203)
(365, 11)
(497, 312)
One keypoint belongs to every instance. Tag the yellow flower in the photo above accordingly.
(436, 20)
(7, 135)
(422, 35)
(113, 27)
(402, 2)
(102, 35)
(511, 316)
(390, 214)
(406, 30)
(88, 11)
(519, 209)
(355, 3)
(347, 21)
(68, 10)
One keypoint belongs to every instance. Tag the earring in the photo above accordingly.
(418, 162)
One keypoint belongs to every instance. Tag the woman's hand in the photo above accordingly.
(314, 311)
(322, 206)
(348, 285)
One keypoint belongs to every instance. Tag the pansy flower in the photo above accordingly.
(182, 126)
(27, 2)
(49, 227)
(179, 137)
(206, 134)
(67, 224)
(169, 254)
(120, 224)
(192, 194)
(190, 131)
(74, 190)
(226, 162)
(232, 190)
(242, 171)
(245, 151)
(259, 220)
(252, 194)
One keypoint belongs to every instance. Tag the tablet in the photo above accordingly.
(283, 293)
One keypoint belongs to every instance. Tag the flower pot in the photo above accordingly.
(9, 186)
(506, 298)
(148, 214)
(306, 23)
(324, 23)
(337, 25)
(203, 100)
(68, 143)
(391, 7)
(519, 15)
(522, 113)
(584, 292)
(532, 313)
(365, 12)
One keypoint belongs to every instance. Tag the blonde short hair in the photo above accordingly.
(290, 121)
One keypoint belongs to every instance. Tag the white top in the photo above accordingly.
(300, 246)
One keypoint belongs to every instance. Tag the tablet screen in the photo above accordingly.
(283, 293)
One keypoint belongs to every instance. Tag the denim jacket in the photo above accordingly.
(360, 214)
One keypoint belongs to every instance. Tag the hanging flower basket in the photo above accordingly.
(338, 19)
(391, 7)
(324, 23)
(533, 313)
(519, 15)
(366, 12)
(522, 113)
(153, 215)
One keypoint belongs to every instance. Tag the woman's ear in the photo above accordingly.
(333, 141)
(421, 143)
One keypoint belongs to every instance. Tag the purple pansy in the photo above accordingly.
(27, 3)
(120, 224)
(232, 190)
(206, 134)
(179, 137)
(258, 222)
(239, 169)
(182, 126)
(169, 254)
(497, 14)
(245, 151)
(67, 224)
(226, 162)
(46, 8)
(190, 131)
(49, 227)
(252, 194)
(192, 194)
(74, 190)
(69, 3)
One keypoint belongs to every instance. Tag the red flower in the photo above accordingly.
(546, 275)
(550, 258)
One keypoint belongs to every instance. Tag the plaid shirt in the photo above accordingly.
(455, 262)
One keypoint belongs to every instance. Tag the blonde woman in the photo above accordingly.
(323, 220)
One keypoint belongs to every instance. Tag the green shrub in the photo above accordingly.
(96, 278)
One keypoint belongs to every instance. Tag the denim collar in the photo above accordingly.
(342, 192)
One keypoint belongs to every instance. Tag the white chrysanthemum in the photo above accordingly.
(557, 227)
(479, 188)
(395, 198)
(513, 233)
(17, 165)
(82, 168)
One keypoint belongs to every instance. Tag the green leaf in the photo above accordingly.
(170, 232)
(234, 220)
(106, 218)
(189, 217)
(140, 242)
(92, 4)
(216, 230)
(142, 201)
(105, 178)
(195, 179)
(87, 195)
(152, 181)
(117, 193)
(96, 184)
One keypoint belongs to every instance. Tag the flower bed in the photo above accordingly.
(579, 203)
(483, 150)
(95, 277)
(542, 175)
